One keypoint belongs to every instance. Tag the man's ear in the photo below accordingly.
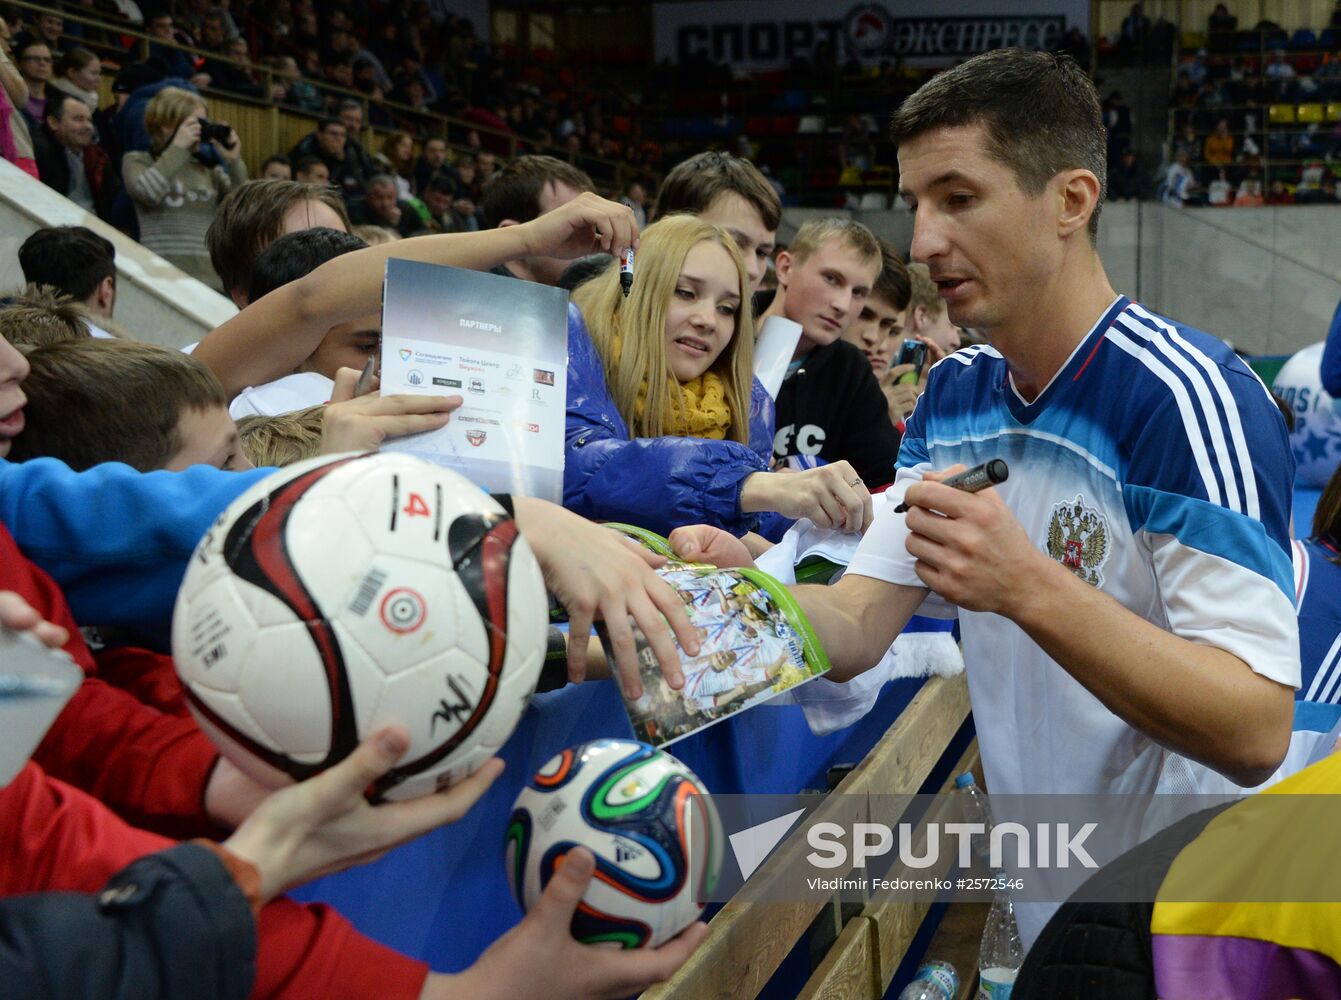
(106, 292)
(507, 222)
(782, 267)
(239, 297)
(1079, 197)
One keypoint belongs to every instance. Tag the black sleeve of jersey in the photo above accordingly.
(872, 441)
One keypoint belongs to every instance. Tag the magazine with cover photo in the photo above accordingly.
(756, 642)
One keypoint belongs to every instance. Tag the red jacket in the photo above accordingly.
(154, 765)
(54, 838)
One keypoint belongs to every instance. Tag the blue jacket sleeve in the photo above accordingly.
(1331, 357)
(656, 483)
(116, 540)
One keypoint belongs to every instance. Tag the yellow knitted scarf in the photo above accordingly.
(699, 409)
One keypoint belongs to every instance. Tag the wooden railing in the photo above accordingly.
(748, 938)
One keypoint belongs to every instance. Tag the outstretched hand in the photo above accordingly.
(541, 949)
(362, 423)
(325, 824)
(20, 616)
(595, 571)
(587, 224)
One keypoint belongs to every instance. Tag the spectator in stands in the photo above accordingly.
(177, 185)
(527, 188)
(1117, 120)
(276, 168)
(253, 216)
(666, 424)
(1124, 178)
(291, 89)
(928, 319)
(35, 65)
(48, 29)
(1250, 191)
(1179, 186)
(1218, 150)
(397, 159)
(635, 196)
(486, 165)
(432, 163)
(349, 166)
(731, 193)
(16, 144)
(226, 74)
(76, 262)
(381, 206)
(448, 213)
(1279, 194)
(1220, 192)
(176, 62)
(830, 406)
(350, 112)
(78, 73)
(310, 170)
(69, 160)
(467, 178)
(1220, 28)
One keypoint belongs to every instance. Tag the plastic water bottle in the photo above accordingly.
(934, 981)
(1002, 954)
(976, 810)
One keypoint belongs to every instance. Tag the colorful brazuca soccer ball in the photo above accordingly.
(345, 593)
(648, 820)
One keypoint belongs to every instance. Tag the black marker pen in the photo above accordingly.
(626, 271)
(972, 480)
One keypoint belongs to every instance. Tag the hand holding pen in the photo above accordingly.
(990, 473)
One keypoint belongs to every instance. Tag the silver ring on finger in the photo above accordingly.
(855, 482)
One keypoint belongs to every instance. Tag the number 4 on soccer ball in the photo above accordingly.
(416, 507)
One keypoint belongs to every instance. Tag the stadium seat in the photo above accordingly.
(811, 125)
(1303, 39)
(873, 201)
(1309, 113)
(1334, 112)
(1281, 114)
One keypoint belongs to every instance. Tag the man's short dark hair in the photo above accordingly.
(892, 283)
(441, 184)
(305, 163)
(73, 259)
(1040, 110)
(55, 106)
(297, 254)
(326, 123)
(276, 158)
(695, 183)
(514, 191)
(249, 218)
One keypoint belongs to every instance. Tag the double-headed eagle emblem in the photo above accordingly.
(1078, 539)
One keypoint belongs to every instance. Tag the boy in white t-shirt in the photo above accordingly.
(1125, 597)
(348, 345)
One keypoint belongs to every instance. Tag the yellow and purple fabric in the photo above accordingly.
(1251, 909)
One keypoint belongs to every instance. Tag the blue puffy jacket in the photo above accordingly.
(656, 483)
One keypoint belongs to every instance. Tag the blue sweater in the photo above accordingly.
(116, 540)
(656, 483)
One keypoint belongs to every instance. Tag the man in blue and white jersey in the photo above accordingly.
(1126, 597)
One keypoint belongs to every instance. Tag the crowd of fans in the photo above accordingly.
(1254, 115)
(666, 427)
